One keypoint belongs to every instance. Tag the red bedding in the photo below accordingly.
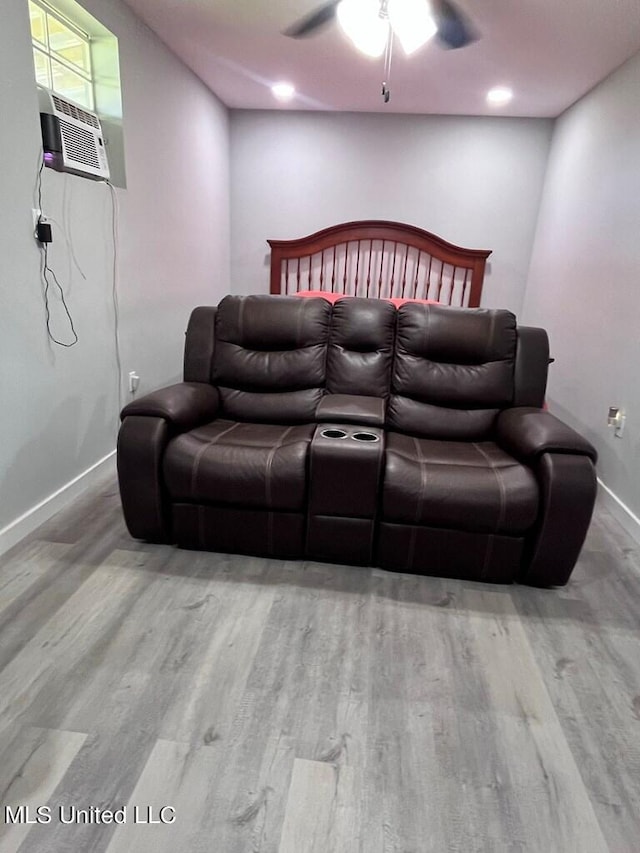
(333, 297)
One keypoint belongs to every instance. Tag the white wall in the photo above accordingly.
(584, 283)
(59, 407)
(473, 181)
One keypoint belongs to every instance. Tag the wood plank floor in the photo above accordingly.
(286, 707)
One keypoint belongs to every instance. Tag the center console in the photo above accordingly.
(346, 466)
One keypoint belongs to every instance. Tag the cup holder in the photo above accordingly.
(333, 433)
(365, 436)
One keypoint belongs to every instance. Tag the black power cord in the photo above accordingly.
(39, 185)
(45, 272)
(43, 235)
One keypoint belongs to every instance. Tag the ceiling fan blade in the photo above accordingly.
(454, 28)
(308, 25)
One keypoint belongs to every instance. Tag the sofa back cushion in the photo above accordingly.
(361, 347)
(270, 357)
(199, 344)
(453, 370)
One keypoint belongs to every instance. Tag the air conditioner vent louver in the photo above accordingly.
(83, 151)
(79, 144)
(75, 112)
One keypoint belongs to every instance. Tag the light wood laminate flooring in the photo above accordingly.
(290, 707)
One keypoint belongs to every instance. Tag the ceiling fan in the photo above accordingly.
(371, 25)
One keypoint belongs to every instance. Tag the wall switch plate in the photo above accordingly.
(134, 381)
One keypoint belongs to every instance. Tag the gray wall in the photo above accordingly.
(474, 181)
(59, 407)
(584, 282)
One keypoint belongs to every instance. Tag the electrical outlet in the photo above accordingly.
(616, 419)
(134, 381)
(35, 215)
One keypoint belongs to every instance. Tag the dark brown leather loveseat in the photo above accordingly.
(411, 439)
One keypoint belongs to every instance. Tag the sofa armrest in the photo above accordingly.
(351, 409)
(184, 406)
(141, 445)
(527, 433)
(567, 496)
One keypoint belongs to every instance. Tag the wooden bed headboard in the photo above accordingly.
(379, 259)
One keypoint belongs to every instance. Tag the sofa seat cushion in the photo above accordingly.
(240, 464)
(472, 486)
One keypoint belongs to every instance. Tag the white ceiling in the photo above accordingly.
(550, 52)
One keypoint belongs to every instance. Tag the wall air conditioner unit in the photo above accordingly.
(71, 137)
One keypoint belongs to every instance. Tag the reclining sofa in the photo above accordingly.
(409, 439)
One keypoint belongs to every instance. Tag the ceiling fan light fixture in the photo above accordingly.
(283, 91)
(499, 96)
(411, 21)
(362, 23)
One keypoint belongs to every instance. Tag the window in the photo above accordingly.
(76, 56)
(61, 55)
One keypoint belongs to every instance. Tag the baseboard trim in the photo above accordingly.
(41, 512)
(620, 511)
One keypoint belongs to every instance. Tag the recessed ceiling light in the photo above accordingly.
(499, 96)
(283, 91)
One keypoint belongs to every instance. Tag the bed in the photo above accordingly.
(378, 259)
